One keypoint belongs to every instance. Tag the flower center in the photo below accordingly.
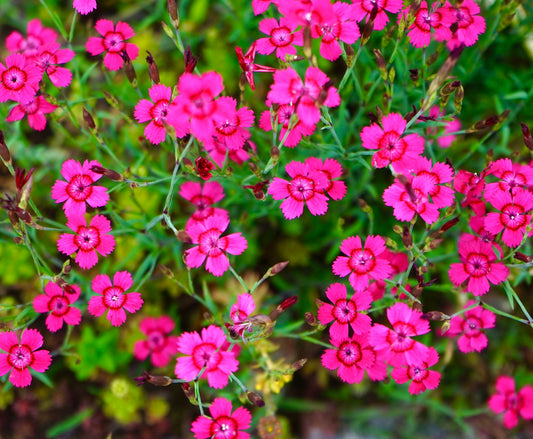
(113, 42)
(20, 357)
(87, 239)
(79, 188)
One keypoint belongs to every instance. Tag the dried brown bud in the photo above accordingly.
(156, 380)
(109, 173)
(308, 42)
(255, 398)
(350, 55)
(449, 224)
(274, 153)
(190, 60)
(369, 26)
(522, 257)
(128, 68)
(88, 119)
(382, 65)
(417, 306)
(189, 392)
(435, 316)
(458, 98)
(485, 123)
(183, 236)
(153, 71)
(4, 151)
(277, 268)
(18, 240)
(297, 365)
(310, 319)
(528, 139)
(414, 75)
(432, 245)
(166, 271)
(407, 238)
(363, 205)
(173, 12)
(416, 291)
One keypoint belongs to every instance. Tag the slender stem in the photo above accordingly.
(239, 278)
(348, 71)
(238, 381)
(197, 396)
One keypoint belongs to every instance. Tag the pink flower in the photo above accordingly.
(248, 66)
(469, 24)
(401, 348)
(332, 170)
(282, 37)
(307, 187)
(56, 302)
(22, 355)
(217, 150)
(112, 297)
(513, 177)
(230, 124)
(212, 247)
(113, 43)
(444, 139)
(513, 403)
(83, 7)
(37, 37)
(47, 60)
(308, 96)
(87, 240)
(341, 26)
(392, 148)
(438, 19)
(362, 262)
(203, 196)
(158, 344)
(161, 112)
(78, 189)
(260, 6)
(472, 186)
(420, 376)
(363, 9)
(35, 109)
(239, 313)
(399, 263)
(197, 101)
(19, 79)
(470, 328)
(477, 266)
(345, 312)
(222, 424)
(512, 216)
(204, 353)
(307, 13)
(350, 358)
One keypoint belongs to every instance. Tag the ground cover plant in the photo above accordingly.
(272, 219)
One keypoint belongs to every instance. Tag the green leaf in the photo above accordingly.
(69, 423)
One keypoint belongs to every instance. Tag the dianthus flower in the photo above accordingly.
(471, 185)
(344, 312)
(363, 9)
(399, 263)
(203, 196)
(223, 424)
(282, 37)
(393, 149)
(440, 20)
(306, 187)
(205, 353)
(231, 124)
(56, 302)
(160, 112)
(307, 12)
(420, 376)
(218, 150)
(112, 297)
(308, 95)
(444, 138)
(83, 7)
(401, 348)
(362, 262)
(340, 26)
(260, 6)
(87, 241)
(113, 43)
(469, 24)
(19, 79)
(78, 189)
(470, 328)
(47, 60)
(512, 216)
(513, 177)
(350, 357)
(478, 266)
(159, 345)
(239, 312)
(35, 109)
(22, 355)
(248, 66)
(37, 37)
(212, 247)
(332, 170)
(513, 403)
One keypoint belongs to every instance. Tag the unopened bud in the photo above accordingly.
(156, 380)
(128, 68)
(435, 316)
(449, 224)
(482, 124)
(407, 238)
(308, 42)
(110, 99)
(166, 271)
(277, 268)
(69, 290)
(417, 306)
(432, 58)
(445, 326)
(274, 154)
(432, 245)
(350, 55)
(67, 267)
(183, 236)
(297, 365)
(310, 319)
(382, 65)
(522, 257)
(153, 71)
(254, 168)
(528, 139)
(369, 26)
(414, 75)
(416, 291)
(458, 98)
(109, 173)
(363, 205)
(190, 60)
(255, 398)
(274, 314)
(88, 119)
(188, 165)
(4, 151)
(189, 392)
(18, 240)
(173, 12)
(397, 229)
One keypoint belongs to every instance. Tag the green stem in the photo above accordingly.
(348, 71)
(239, 278)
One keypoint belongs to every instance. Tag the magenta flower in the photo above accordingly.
(223, 424)
(400, 152)
(332, 170)
(231, 124)
(47, 60)
(306, 187)
(308, 96)
(56, 302)
(239, 313)
(248, 66)
(477, 266)
(212, 247)
(87, 241)
(37, 37)
(113, 43)
(470, 327)
(345, 312)
(350, 358)
(363, 9)
(513, 403)
(362, 262)
(78, 189)
(203, 196)
(440, 20)
(420, 376)
(158, 344)
(83, 7)
(113, 298)
(308, 13)
(197, 101)
(35, 109)
(445, 138)
(513, 177)
(205, 352)
(260, 6)
(469, 24)
(340, 26)
(282, 37)
(161, 112)
(512, 216)
(19, 79)
(472, 186)
(401, 348)
(22, 355)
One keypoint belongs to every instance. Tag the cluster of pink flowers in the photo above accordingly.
(510, 402)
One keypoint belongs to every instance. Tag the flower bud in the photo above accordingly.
(274, 154)
(458, 98)
(111, 100)
(18, 240)
(414, 75)
(297, 365)
(156, 380)
(522, 257)
(350, 55)
(363, 205)
(166, 271)
(189, 392)
(190, 60)
(528, 139)
(109, 173)
(449, 224)
(255, 398)
(172, 8)
(435, 316)
(308, 42)
(153, 71)
(310, 319)
(407, 239)
(382, 65)
(183, 236)
(277, 268)
(4, 151)
(128, 68)
(88, 119)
